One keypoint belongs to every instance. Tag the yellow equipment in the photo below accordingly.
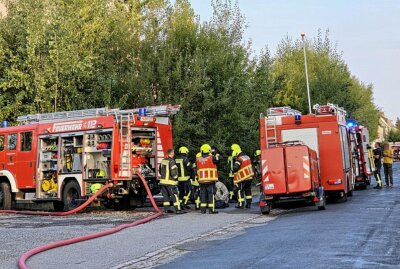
(95, 187)
(49, 185)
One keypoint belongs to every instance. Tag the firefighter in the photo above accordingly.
(184, 175)
(243, 175)
(257, 167)
(378, 165)
(232, 187)
(207, 174)
(169, 181)
(195, 189)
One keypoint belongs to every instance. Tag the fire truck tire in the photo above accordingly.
(71, 195)
(5, 196)
(266, 209)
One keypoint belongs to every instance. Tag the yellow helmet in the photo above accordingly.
(183, 150)
(258, 152)
(205, 148)
(235, 150)
(198, 155)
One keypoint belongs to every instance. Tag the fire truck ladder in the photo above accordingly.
(125, 170)
(273, 114)
(270, 126)
(49, 117)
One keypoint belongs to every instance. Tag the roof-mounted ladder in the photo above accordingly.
(162, 110)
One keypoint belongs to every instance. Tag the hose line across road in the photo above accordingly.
(34, 251)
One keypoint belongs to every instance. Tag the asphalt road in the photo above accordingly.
(361, 233)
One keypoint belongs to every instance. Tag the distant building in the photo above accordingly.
(385, 125)
(3, 10)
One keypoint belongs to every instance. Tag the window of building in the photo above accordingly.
(12, 142)
(26, 141)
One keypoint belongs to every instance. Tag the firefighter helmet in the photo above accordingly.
(183, 150)
(235, 150)
(258, 153)
(205, 148)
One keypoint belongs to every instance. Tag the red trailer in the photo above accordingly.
(325, 132)
(64, 157)
(290, 173)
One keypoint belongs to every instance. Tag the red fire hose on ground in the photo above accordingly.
(22, 260)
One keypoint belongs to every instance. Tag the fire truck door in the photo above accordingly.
(298, 169)
(10, 153)
(26, 161)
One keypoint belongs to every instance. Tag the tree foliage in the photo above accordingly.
(61, 55)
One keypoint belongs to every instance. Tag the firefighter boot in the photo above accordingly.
(203, 211)
(212, 211)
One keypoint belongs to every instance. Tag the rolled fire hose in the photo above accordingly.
(22, 260)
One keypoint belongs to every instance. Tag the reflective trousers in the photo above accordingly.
(184, 191)
(377, 175)
(207, 199)
(170, 194)
(195, 196)
(244, 193)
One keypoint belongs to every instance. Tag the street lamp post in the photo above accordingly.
(305, 64)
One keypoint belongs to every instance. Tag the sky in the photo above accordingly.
(366, 31)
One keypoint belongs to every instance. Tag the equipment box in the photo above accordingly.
(290, 173)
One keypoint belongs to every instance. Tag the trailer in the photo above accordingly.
(63, 158)
(325, 132)
(290, 174)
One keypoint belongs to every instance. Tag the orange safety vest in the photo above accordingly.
(206, 170)
(245, 171)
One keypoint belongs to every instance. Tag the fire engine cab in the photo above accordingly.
(325, 132)
(65, 157)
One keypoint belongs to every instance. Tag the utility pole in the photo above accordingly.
(305, 64)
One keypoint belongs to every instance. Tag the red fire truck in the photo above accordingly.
(324, 132)
(362, 156)
(64, 157)
(291, 175)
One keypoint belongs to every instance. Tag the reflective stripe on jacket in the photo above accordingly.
(206, 169)
(168, 172)
(245, 171)
(184, 167)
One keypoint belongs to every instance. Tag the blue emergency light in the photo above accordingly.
(297, 119)
(4, 124)
(142, 112)
(351, 123)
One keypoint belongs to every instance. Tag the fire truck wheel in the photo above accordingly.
(265, 209)
(5, 196)
(71, 195)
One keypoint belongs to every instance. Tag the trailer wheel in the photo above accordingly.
(5, 196)
(265, 209)
(71, 195)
